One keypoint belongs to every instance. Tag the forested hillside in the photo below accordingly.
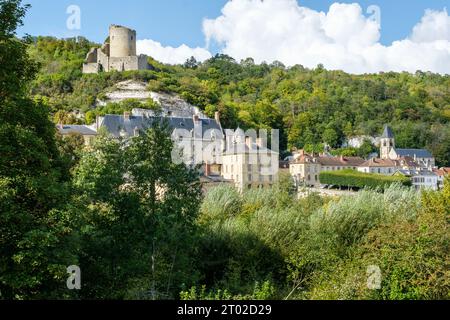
(102, 208)
(310, 107)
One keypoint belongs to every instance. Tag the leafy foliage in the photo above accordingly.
(35, 233)
(138, 212)
(352, 178)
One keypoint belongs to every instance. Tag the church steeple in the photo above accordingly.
(387, 142)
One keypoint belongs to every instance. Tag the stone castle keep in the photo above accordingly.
(118, 53)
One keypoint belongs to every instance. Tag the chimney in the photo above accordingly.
(97, 122)
(248, 142)
(126, 115)
(217, 117)
(261, 142)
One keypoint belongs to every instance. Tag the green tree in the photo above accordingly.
(34, 244)
(366, 149)
(330, 137)
(139, 217)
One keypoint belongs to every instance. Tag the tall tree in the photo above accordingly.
(33, 252)
(139, 217)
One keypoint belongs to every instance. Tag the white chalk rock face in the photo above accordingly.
(171, 104)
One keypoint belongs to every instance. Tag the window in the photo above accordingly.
(250, 177)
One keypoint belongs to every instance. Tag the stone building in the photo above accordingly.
(87, 132)
(248, 162)
(388, 166)
(442, 173)
(306, 169)
(421, 179)
(388, 151)
(117, 53)
(200, 141)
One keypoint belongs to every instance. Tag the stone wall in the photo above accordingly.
(103, 60)
(91, 67)
(123, 64)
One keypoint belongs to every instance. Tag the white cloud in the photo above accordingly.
(169, 54)
(435, 26)
(343, 38)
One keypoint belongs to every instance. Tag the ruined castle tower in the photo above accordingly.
(118, 53)
(122, 42)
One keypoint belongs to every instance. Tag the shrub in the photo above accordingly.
(221, 202)
(352, 178)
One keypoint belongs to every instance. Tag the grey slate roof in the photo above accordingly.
(115, 124)
(387, 133)
(81, 129)
(419, 153)
(417, 173)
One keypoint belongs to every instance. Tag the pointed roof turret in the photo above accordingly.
(387, 133)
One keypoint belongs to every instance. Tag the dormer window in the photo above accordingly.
(123, 133)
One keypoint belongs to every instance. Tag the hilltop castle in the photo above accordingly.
(117, 53)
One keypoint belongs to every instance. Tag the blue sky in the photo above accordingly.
(409, 38)
(174, 22)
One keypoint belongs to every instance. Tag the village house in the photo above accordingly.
(87, 132)
(388, 166)
(418, 164)
(249, 163)
(306, 169)
(441, 173)
(421, 179)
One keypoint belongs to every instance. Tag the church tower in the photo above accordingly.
(387, 142)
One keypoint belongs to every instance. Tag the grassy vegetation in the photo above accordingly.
(321, 248)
